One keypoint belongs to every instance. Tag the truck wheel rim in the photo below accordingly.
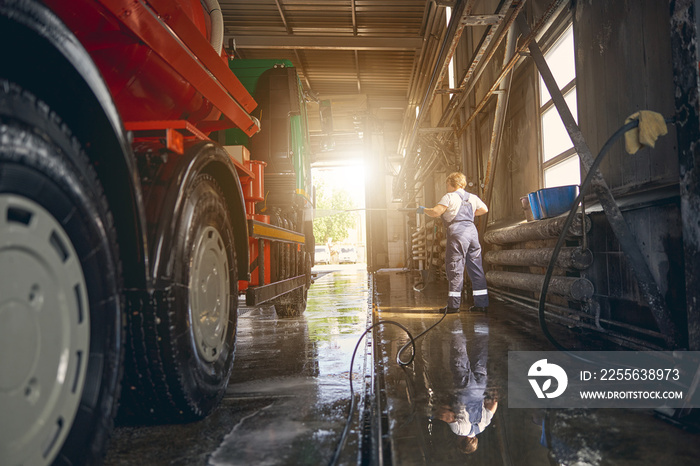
(45, 332)
(209, 294)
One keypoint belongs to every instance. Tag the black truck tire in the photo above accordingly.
(61, 303)
(293, 304)
(182, 345)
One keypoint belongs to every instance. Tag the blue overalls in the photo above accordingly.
(463, 242)
(468, 360)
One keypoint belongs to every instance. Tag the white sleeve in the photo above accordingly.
(476, 202)
(445, 200)
(461, 425)
(486, 417)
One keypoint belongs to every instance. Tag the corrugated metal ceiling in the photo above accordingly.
(341, 48)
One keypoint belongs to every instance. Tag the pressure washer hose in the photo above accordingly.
(399, 361)
(417, 285)
(405, 347)
(569, 220)
(353, 405)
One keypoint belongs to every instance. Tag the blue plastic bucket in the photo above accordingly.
(534, 205)
(556, 201)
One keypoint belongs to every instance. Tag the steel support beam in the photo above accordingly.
(485, 53)
(376, 200)
(293, 41)
(505, 71)
(299, 63)
(482, 20)
(618, 224)
(453, 34)
(440, 129)
(483, 56)
(300, 66)
(499, 120)
(354, 17)
(283, 17)
(357, 72)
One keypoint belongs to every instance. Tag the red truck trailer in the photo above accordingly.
(128, 228)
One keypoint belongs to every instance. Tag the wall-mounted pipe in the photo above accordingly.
(569, 258)
(531, 231)
(577, 289)
(418, 252)
(568, 316)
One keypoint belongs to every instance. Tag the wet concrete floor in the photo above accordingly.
(287, 399)
(423, 401)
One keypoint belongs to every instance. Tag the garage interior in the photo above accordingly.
(426, 88)
(522, 96)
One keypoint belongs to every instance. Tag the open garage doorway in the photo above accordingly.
(340, 221)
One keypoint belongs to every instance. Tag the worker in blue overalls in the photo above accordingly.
(458, 209)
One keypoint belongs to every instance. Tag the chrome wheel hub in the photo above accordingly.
(209, 294)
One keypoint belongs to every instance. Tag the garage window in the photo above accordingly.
(560, 164)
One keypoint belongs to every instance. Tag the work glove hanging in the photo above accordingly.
(651, 126)
(420, 210)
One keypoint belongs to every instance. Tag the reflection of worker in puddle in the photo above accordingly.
(471, 412)
(458, 209)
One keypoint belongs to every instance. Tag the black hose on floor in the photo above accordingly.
(569, 220)
(404, 347)
(353, 404)
(420, 286)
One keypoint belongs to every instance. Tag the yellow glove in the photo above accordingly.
(651, 126)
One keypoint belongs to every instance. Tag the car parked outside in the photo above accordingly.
(347, 254)
(322, 255)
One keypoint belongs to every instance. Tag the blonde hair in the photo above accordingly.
(457, 180)
(468, 445)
